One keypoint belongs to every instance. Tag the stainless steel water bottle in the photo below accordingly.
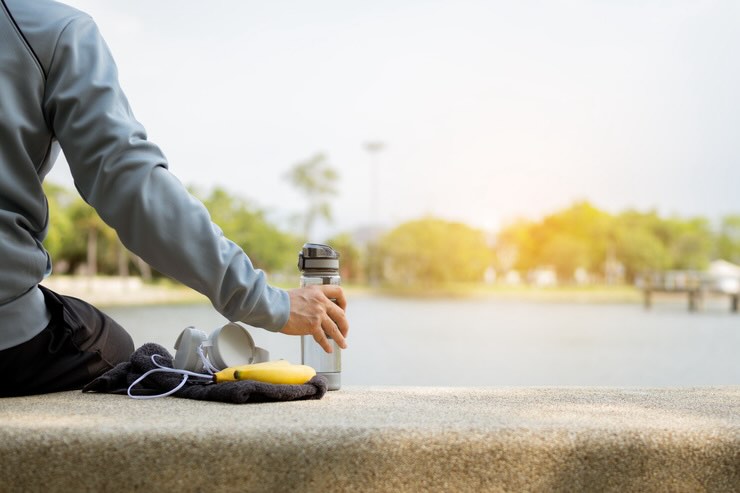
(319, 264)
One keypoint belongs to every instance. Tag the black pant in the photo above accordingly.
(79, 344)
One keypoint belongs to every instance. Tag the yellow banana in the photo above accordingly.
(287, 374)
(227, 374)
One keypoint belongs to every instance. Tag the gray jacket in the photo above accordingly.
(59, 86)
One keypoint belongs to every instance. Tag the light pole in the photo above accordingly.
(373, 148)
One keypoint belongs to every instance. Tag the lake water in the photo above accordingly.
(484, 342)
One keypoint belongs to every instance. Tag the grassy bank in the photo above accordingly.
(114, 291)
(123, 291)
(574, 294)
(578, 294)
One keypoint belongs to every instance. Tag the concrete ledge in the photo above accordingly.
(379, 439)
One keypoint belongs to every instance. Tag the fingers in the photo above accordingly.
(314, 312)
(320, 337)
(331, 329)
(335, 292)
(334, 323)
(339, 319)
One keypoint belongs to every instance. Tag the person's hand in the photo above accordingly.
(312, 312)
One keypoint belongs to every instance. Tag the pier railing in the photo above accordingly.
(697, 285)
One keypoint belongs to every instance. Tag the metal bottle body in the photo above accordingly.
(321, 270)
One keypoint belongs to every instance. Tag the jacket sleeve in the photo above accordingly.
(126, 179)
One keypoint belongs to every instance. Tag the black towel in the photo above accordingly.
(118, 380)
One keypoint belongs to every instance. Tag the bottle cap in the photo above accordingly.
(319, 257)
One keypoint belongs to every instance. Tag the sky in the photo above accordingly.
(488, 110)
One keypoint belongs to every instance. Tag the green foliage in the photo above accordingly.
(79, 240)
(77, 237)
(516, 247)
(565, 253)
(60, 223)
(728, 241)
(351, 262)
(581, 231)
(583, 236)
(434, 251)
(640, 251)
(566, 240)
(691, 245)
(268, 247)
(429, 250)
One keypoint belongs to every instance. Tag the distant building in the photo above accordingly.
(543, 277)
(724, 276)
(581, 276)
(512, 278)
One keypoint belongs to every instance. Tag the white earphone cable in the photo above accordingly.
(185, 375)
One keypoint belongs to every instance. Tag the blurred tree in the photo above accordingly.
(350, 261)
(60, 224)
(426, 250)
(640, 251)
(91, 229)
(434, 251)
(647, 242)
(728, 240)
(268, 247)
(515, 247)
(315, 179)
(641, 243)
(691, 246)
(77, 236)
(575, 237)
(565, 253)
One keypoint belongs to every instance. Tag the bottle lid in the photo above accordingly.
(318, 256)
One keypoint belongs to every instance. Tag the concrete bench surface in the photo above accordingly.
(378, 439)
